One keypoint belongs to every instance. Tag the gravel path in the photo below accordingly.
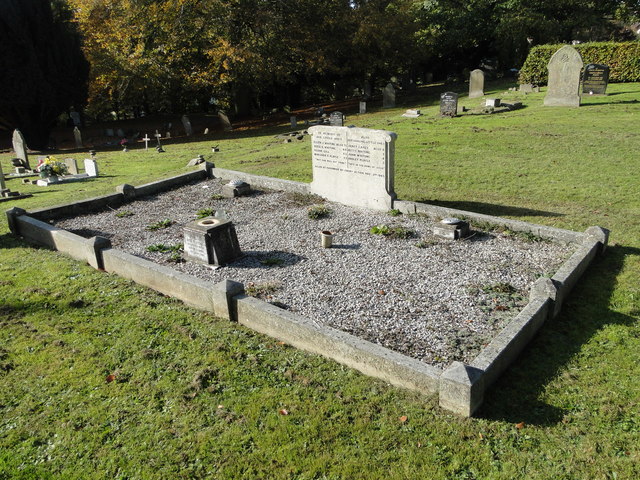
(438, 302)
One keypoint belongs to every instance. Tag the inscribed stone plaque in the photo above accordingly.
(72, 165)
(476, 83)
(90, 167)
(595, 79)
(363, 107)
(388, 96)
(20, 147)
(336, 119)
(354, 166)
(563, 88)
(449, 104)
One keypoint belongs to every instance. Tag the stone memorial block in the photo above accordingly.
(226, 123)
(77, 136)
(20, 147)
(72, 165)
(294, 121)
(336, 119)
(563, 88)
(595, 79)
(211, 240)
(411, 113)
(493, 102)
(120, 133)
(476, 83)
(354, 166)
(75, 118)
(90, 167)
(388, 96)
(449, 104)
(186, 123)
(363, 107)
(526, 88)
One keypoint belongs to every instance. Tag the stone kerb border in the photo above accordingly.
(461, 387)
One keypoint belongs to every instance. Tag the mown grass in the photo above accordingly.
(193, 396)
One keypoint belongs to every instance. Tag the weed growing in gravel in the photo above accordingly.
(160, 224)
(261, 290)
(303, 199)
(426, 243)
(162, 248)
(392, 232)
(394, 212)
(124, 213)
(176, 258)
(316, 212)
(205, 212)
(217, 196)
(272, 261)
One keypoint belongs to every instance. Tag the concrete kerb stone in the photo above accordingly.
(461, 389)
(12, 215)
(369, 358)
(168, 183)
(263, 182)
(127, 191)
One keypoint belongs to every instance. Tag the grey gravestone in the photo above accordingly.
(226, 124)
(388, 96)
(186, 123)
(449, 104)
(72, 165)
(90, 167)
(563, 89)
(75, 117)
(336, 119)
(78, 137)
(411, 113)
(20, 148)
(354, 166)
(109, 132)
(595, 79)
(294, 121)
(211, 240)
(476, 83)
(363, 107)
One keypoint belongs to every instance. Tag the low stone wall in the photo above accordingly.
(461, 387)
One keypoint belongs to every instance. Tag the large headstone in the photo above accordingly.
(226, 123)
(354, 166)
(449, 104)
(476, 83)
(563, 89)
(363, 107)
(595, 79)
(20, 147)
(186, 123)
(388, 96)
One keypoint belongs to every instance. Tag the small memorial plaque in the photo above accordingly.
(595, 79)
(336, 119)
(449, 104)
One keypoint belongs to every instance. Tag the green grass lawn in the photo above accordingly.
(193, 396)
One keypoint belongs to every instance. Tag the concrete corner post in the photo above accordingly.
(461, 389)
(12, 214)
(600, 235)
(223, 293)
(97, 244)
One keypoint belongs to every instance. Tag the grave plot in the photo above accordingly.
(387, 278)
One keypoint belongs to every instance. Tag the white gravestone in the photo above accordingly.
(363, 107)
(563, 87)
(90, 167)
(476, 83)
(354, 166)
(78, 137)
(20, 147)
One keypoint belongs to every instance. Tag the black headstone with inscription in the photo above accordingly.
(336, 119)
(448, 104)
(595, 79)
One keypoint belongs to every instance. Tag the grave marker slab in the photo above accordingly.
(120, 133)
(77, 136)
(20, 147)
(294, 121)
(449, 104)
(563, 89)
(476, 83)
(595, 79)
(363, 107)
(186, 123)
(90, 167)
(388, 96)
(72, 165)
(226, 123)
(336, 119)
(354, 166)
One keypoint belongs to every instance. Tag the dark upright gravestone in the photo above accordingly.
(20, 147)
(595, 79)
(389, 96)
(448, 104)
(336, 119)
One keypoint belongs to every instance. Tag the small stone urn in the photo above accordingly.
(326, 239)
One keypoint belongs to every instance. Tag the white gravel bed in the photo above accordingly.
(437, 302)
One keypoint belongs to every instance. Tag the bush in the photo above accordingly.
(623, 59)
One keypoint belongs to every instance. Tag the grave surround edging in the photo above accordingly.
(461, 387)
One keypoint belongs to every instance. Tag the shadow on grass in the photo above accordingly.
(622, 102)
(515, 397)
(492, 209)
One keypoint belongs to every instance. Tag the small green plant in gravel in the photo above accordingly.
(394, 212)
(205, 212)
(166, 223)
(217, 196)
(303, 199)
(124, 213)
(392, 232)
(272, 261)
(162, 248)
(316, 212)
(424, 243)
(261, 290)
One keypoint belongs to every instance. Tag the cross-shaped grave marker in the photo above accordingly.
(146, 141)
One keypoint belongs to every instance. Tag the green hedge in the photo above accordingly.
(623, 59)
